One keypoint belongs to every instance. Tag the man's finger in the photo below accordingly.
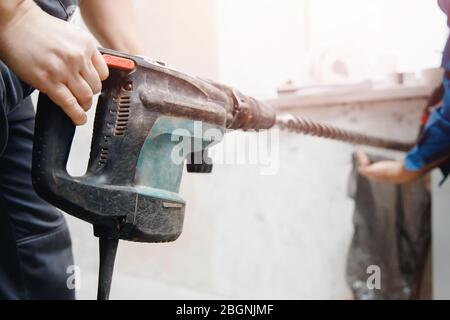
(372, 170)
(63, 97)
(366, 171)
(100, 65)
(82, 91)
(363, 159)
(91, 76)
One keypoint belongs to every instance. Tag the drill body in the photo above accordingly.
(145, 112)
(130, 189)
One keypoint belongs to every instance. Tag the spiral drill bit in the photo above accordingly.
(246, 113)
(300, 125)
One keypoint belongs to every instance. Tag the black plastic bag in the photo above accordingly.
(392, 235)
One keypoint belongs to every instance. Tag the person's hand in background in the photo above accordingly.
(52, 56)
(387, 171)
(391, 171)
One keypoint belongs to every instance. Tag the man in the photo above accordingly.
(433, 149)
(39, 50)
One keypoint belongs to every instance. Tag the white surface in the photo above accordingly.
(441, 238)
(264, 43)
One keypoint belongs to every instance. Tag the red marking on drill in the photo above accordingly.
(120, 63)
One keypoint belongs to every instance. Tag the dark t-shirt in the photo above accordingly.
(61, 9)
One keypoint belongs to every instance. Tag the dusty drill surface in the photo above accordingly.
(244, 112)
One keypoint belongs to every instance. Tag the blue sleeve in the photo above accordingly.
(435, 141)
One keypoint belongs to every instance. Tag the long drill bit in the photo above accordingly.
(246, 113)
(300, 125)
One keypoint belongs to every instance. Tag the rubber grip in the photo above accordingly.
(53, 136)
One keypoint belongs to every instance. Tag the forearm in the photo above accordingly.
(11, 10)
(114, 25)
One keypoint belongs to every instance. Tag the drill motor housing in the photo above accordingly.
(130, 189)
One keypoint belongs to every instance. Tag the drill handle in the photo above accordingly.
(53, 136)
(54, 132)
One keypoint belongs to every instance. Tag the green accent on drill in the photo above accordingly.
(156, 174)
(160, 194)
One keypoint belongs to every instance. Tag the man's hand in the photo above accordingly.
(386, 171)
(52, 56)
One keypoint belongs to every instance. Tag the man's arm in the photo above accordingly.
(114, 25)
(392, 171)
(10, 10)
(432, 150)
(51, 56)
